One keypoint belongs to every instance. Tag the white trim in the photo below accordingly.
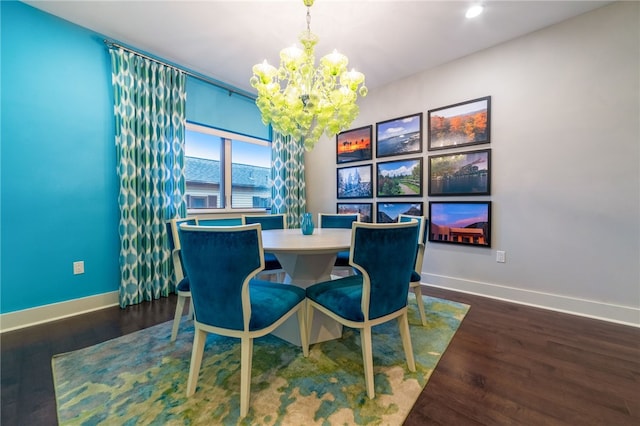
(55, 311)
(627, 315)
(219, 213)
(226, 134)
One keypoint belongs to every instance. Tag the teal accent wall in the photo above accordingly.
(58, 178)
(59, 190)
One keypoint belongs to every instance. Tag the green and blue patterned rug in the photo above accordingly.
(140, 378)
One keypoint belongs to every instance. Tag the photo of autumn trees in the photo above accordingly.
(461, 124)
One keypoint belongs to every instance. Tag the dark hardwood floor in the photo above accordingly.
(507, 365)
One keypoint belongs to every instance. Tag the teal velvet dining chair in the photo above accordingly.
(339, 220)
(383, 254)
(222, 263)
(269, 221)
(182, 282)
(416, 273)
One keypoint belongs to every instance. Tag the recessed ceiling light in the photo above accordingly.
(474, 11)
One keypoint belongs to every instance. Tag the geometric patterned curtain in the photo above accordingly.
(287, 173)
(149, 108)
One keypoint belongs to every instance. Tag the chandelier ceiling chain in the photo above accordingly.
(302, 101)
(308, 15)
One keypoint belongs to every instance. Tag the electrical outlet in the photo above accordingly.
(78, 267)
(501, 256)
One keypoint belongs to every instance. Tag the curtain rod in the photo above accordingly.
(199, 77)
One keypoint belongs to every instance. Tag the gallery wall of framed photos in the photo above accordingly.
(401, 168)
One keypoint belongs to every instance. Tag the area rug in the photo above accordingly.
(140, 378)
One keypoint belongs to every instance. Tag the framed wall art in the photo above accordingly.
(460, 222)
(355, 182)
(365, 210)
(461, 173)
(462, 124)
(400, 178)
(389, 212)
(354, 145)
(399, 136)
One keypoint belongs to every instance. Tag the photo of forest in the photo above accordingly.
(399, 178)
(459, 125)
(355, 182)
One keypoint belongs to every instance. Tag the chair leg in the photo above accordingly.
(309, 321)
(367, 360)
(199, 338)
(191, 314)
(245, 375)
(302, 324)
(177, 317)
(417, 290)
(403, 324)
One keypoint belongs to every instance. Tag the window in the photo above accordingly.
(224, 170)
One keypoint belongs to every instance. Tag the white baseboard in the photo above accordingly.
(55, 311)
(626, 315)
(587, 308)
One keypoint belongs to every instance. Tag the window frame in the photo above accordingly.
(227, 138)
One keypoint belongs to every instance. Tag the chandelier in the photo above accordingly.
(302, 101)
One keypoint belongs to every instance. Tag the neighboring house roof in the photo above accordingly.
(200, 170)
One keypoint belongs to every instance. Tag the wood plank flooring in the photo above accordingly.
(507, 365)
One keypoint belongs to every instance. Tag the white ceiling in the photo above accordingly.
(386, 40)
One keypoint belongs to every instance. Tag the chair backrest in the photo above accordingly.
(268, 221)
(174, 243)
(337, 220)
(220, 261)
(172, 230)
(222, 221)
(384, 253)
(422, 237)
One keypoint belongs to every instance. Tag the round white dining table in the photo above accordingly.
(307, 259)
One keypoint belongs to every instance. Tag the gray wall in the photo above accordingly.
(565, 163)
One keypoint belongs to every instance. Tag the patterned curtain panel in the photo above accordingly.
(287, 173)
(150, 120)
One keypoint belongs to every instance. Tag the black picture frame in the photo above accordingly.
(460, 222)
(354, 145)
(460, 173)
(399, 178)
(388, 212)
(354, 182)
(365, 210)
(462, 124)
(399, 136)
